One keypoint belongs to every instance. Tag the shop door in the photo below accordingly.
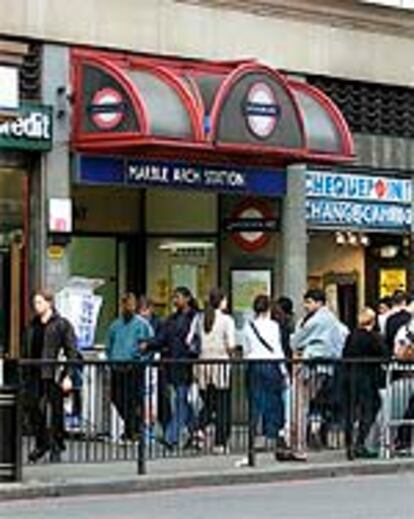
(348, 304)
(4, 300)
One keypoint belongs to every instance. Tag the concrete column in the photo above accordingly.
(295, 236)
(56, 179)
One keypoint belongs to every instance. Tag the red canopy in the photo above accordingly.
(218, 111)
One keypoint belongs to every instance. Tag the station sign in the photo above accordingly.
(179, 175)
(357, 201)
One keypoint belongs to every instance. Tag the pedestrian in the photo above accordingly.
(400, 316)
(179, 348)
(218, 343)
(384, 308)
(146, 309)
(154, 384)
(50, 338)
(267, 373)
(282, 313)
(126, 348)
(319, 341)
(362, 382)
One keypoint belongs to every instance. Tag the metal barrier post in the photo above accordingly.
(10, 436)
(385, 441)
(142, 418)
(251, 453)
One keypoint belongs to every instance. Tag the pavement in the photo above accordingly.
(60, 480)
(359, 497)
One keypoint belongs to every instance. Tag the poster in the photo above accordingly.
(392, 280)
(80, 306)
(245, 286)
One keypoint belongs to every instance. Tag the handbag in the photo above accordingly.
(405, 350)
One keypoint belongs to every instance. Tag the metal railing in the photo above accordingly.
(89, 412)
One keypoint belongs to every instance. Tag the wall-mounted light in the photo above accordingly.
(389, 251)
(186, 245)
(352, 239)
(340, 238)
(364, 240)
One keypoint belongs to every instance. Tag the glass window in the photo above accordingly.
(180, 262)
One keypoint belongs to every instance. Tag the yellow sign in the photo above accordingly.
(392, 280)
(55, 252)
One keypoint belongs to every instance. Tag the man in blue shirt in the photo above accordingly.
(126, 344)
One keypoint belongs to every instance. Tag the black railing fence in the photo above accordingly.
(80, 412)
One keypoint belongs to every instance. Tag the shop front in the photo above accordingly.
(22, 140)
(180, 175)
(359, 242)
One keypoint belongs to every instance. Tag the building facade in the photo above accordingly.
(344, 226)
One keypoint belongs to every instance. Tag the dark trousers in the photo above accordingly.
(126, 395)
(47, 416)
(217, 410)
(361, 408)
(265, 391)
(164, 403)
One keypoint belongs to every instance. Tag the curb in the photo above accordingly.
(153, 483)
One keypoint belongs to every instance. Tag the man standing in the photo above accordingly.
(320, 336)
(179, 347)
(399, 317)
(126, 344)
(49, 335)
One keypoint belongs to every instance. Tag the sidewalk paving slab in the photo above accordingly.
(167, 474)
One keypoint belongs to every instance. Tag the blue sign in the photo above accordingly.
(347, 186)
(179, 175)
(357, 201)
(337, 213)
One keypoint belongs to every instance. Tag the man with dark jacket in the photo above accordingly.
(176, 344)
(399, 317)
(362, 378)
(49, 337)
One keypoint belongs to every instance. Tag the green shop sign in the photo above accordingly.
(31, 130)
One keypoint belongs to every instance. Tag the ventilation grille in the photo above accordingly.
(371, 108)
(31, 73)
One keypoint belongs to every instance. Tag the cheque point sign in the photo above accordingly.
(357, 201)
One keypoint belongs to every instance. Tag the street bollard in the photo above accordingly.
(10, 436)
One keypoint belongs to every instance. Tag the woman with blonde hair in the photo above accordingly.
(362, 382)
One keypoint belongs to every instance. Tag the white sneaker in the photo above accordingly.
(244, 462)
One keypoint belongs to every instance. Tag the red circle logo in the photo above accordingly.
(251, 209)
(107, 108)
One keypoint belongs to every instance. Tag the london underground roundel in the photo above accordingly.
(261, 110)
(254, 211)
(107, 108)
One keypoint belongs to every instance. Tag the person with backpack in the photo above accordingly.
(49, 336)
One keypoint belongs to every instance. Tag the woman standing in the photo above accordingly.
(267, 375)
(218, 341)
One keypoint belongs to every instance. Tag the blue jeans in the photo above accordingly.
(266, 396)
(182, 414)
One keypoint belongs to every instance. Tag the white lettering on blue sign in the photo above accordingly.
(353, 187)
(177, 175)
(357, 214)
